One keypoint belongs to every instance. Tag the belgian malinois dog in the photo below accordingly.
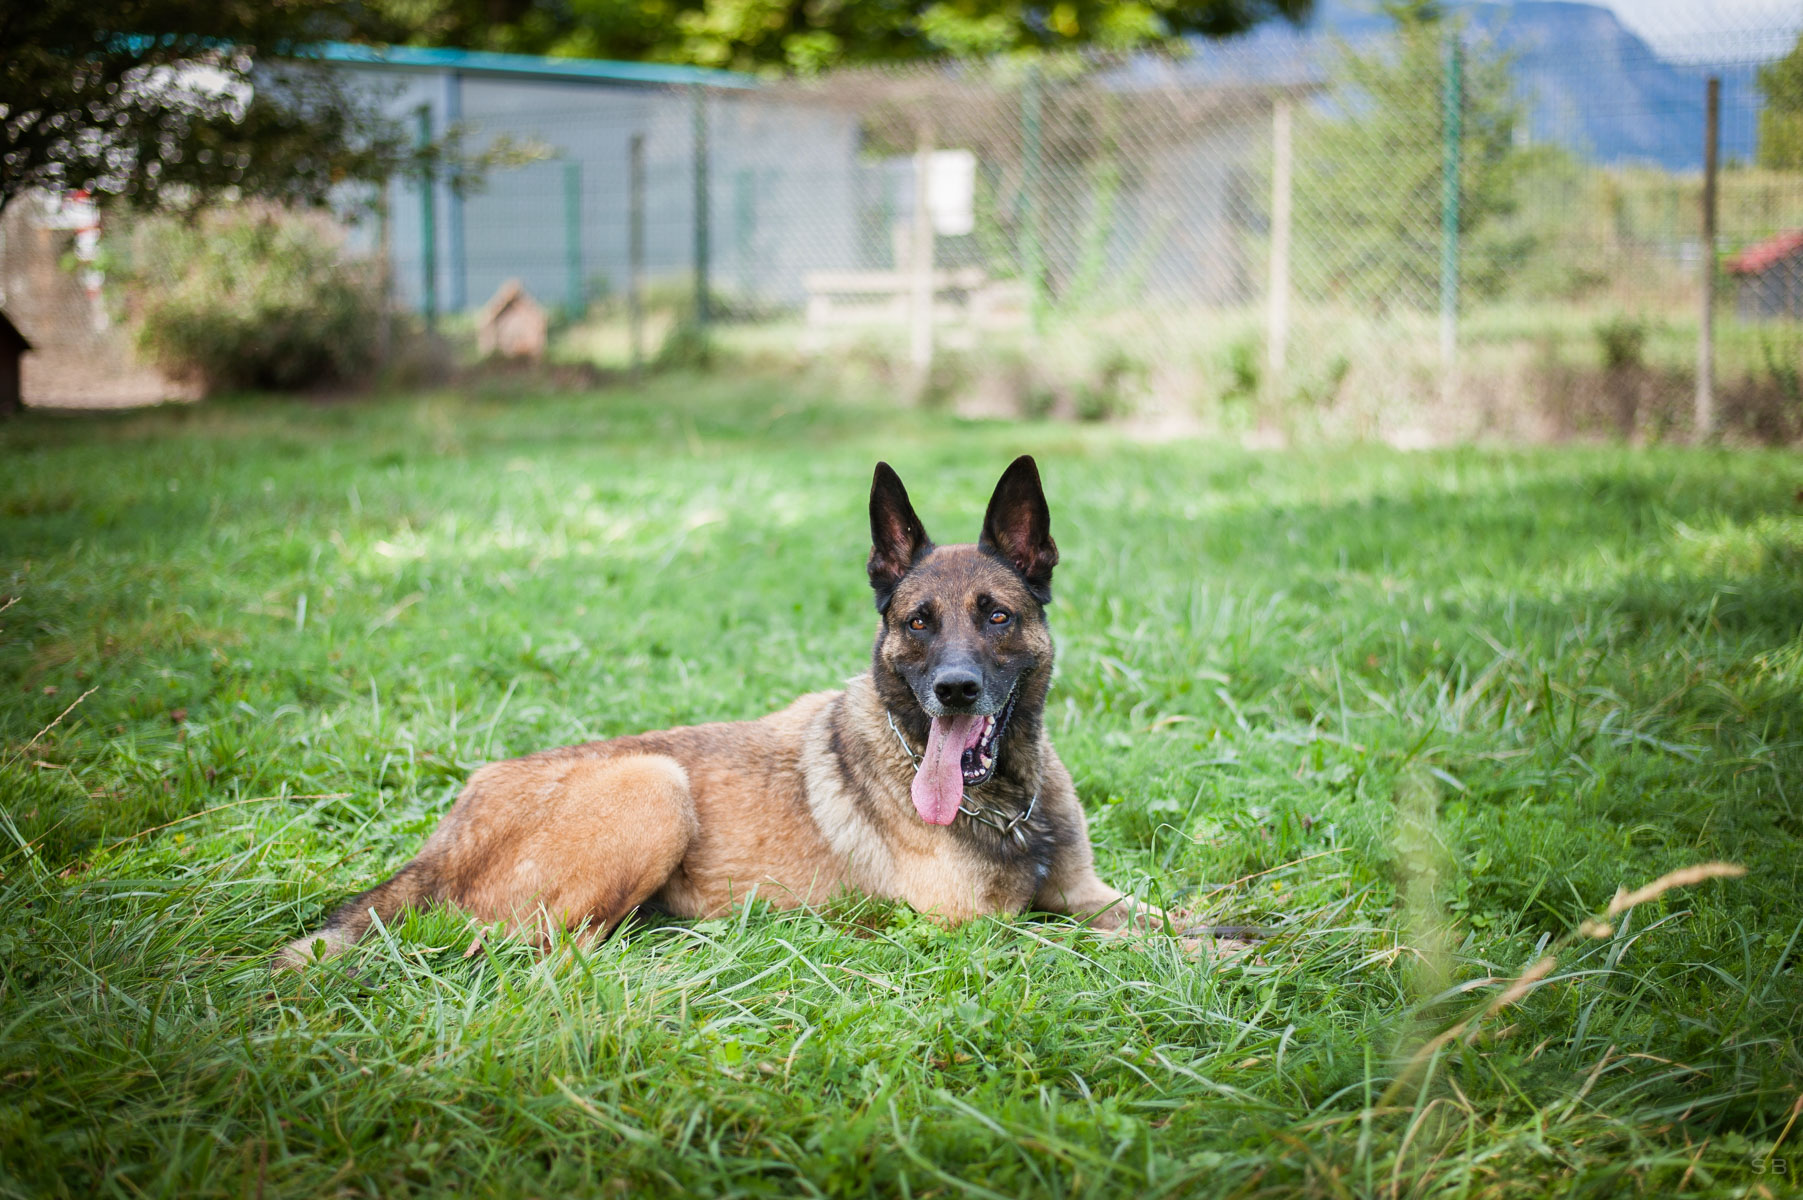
(928, 779)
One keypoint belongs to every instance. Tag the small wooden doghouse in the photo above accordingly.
(512, 324)
(12, 353)
(1769, 278)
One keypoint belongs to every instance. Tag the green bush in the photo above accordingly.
(238, 298)
(1622, 340)
(687, 347)
(1106, 393)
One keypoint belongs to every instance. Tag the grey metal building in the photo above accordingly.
(779, 177)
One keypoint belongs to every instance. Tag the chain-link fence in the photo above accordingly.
(1417, 229)
(1429, 230)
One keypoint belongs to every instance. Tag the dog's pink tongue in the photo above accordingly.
(939, 784)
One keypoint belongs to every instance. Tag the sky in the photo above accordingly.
(1713, 29)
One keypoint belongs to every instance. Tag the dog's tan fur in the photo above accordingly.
(794, 807)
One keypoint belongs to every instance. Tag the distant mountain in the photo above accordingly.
(1592, 84)
(1588, 82)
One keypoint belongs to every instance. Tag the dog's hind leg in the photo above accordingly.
(352, 919)
(573, 841)
(614, 833)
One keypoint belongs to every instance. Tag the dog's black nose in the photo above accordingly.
(957, 687)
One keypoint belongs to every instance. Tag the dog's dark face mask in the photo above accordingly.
(964, 630)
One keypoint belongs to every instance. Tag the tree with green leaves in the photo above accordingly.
(807, 35)
(1370, 171)
(170, 102)
(166, 101)
(1781, 118)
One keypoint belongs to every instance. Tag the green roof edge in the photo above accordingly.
(489, 62)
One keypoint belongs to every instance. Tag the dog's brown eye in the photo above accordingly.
(998, 617)
(917, 622)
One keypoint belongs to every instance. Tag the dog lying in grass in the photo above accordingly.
(928, 779)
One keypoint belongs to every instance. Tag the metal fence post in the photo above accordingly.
(1705, 405)
(385, 259)
(457, 268)
(635, 251)
(744, 230)
(428, 225)
(701, 206)
(1277, 302)
(1032, 256)
(1453, 104)
(572, 237)
(920, 308)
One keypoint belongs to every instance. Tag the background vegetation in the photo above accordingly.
(162, 102)
(791, 35)
(251, 297)
(1371, 170)
(1422, 713)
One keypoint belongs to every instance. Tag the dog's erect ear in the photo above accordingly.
(897, 538)
(1018, 527)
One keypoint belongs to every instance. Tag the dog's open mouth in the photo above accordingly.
(978, 762)
(961, 753)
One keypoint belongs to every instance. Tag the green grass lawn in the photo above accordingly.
(1424, 714)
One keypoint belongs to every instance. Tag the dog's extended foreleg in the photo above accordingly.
(1102, 907)
(1078, 891)
(1073, 887)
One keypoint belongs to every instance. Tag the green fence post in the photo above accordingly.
(701, 205)
(744, 229)
(428, 225)
(572, 237)
(635, 251)
(1453, 104)
(456, 257)
(1032, 258)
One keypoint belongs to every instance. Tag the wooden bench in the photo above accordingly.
(961, 296)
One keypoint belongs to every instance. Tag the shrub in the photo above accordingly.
(1242, 370)
(687, 347)
(1622, 340)
(242, 298)
(1105, 394)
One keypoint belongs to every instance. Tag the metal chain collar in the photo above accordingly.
(1006, 825)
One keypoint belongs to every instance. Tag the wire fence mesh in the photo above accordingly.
(1418, 229)
(1440, 229)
